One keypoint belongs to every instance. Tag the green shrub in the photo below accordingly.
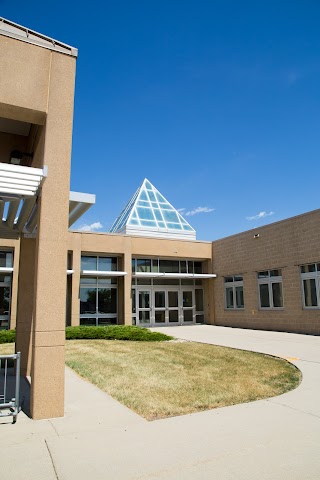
(115, 332)
(7, 336)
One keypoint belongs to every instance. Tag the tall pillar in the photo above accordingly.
(47, 386)
(127, 287)
(25, 303)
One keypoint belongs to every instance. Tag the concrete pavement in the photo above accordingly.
(99, 438)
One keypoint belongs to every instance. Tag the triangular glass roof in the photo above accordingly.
(148, 213)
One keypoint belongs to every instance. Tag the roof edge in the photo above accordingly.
(18, 32)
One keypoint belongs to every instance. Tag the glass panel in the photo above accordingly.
(143, 195)
(143, 265)
(107, 300)
(173, 316)
(174, 226)
(88, 298)
(173, 299)
(239, 297)
(161, 225)
(160, 198)
(6, 259)
(92, 322)
(143, 281)
(190, 267)
(187, 281)
(152, 197)
(6, 279)
(198, 282)
(134, 321)
(228, 279)
(310, 293)
(199, 318)
(148, 185)
(238, 278)
(187, 315)
(170, 216)
(107, 281)
(187, 299)
(155, 265)
(165, 281)
(158, 215)
(160, 316)
(144, 316)
(88, 263)
(264, 295)
(197, 267)
(229, 297)
(169, 266)
(183, 266)
(4, 300)
(199, 300)
(159, 299)
(4, 324)
(275, 273)
(133, 296)
(107, 264)
(133, 265)
(277, 294)
(133, 222)
(88, 281)
(144, 299)
(318, 267)
(264, 274)
(148, 223)
(145, 213)
(103, 322)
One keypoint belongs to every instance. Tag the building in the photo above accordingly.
(148, 270)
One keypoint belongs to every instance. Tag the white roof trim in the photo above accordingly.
(173, 275)
(102, 273)
(14, 30)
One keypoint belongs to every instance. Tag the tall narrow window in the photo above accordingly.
(270, 289)
(310, 278)
(234, 297)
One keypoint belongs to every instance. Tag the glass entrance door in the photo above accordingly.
(188, 307)
(144, 307)
(166, 306)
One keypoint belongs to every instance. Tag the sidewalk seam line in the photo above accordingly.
(291, 408)
(51, 458)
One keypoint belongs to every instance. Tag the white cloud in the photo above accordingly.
(260, 215)
(181, 210)
(198, 210)
(91, 228)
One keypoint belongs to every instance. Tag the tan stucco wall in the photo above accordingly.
(24, 80)
(285, 245)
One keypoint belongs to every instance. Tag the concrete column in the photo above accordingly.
(25, 303)
(14, 286)
(127, 287)
(47, 387)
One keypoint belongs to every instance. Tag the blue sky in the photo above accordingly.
(217, 103)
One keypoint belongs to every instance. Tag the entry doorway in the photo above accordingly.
(165, 306)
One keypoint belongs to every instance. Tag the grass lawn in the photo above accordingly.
(170, 378)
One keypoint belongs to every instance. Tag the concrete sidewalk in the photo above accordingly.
(101, 439)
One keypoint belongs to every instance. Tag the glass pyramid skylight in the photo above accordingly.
(148, 213)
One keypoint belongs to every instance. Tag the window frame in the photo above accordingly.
(270, 280)
(234, 284)
(310, 276)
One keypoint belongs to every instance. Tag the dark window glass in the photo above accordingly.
(173, 300)
(143, 265)
(229, 297)
(144, 316)
(92, 322)
(144, 299)
(160, 316)
(169, 266)
(239, 297)
(88, 298)
(107, 264)
(228, 279)
(199, 318)
(277, 294)
(107, 300)
(264, 295)
(238, 278)
(165, 281)
(275, 273)
(183, 266)
(88, 263)
(159, 299)
(133, 295)
(310, 293)
(199, 300)
(103, 322)
(197, 267)
(6, 259)
(190, 267)
(173, 316)
(4, 300)
(155, 266)
(88, 280)
(187, 299)
(264, 274)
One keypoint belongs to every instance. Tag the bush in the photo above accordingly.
(115, 332)
(7, 336)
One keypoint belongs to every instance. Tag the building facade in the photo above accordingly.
(149, 270)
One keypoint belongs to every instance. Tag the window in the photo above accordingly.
(234, 298)
(98, 295)
(270, 289)
(156, 265)
(310, 278)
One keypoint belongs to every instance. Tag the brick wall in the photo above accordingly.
(285, 245)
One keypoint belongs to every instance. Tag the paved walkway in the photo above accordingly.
(98, 439)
